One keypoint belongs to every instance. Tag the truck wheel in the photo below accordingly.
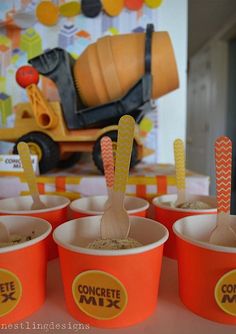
(44, 147)
(70, 160)
(97, 154)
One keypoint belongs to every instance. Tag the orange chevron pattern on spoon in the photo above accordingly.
(223, 234)
(108, 160)
(223, 158)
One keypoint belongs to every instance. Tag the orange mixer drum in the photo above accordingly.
(107, 69)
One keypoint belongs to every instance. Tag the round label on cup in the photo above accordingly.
(225, 292)
(10, 291)
(99, 295)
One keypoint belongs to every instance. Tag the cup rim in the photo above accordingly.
(26, 244)
(15, 212)
(195, 242)
(102, 252)
(156, 203)
(145, 206)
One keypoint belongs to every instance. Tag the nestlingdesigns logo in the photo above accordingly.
(99, 294)
(225, 293)
(10, 291)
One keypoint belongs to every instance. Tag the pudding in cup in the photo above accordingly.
(110, 288)
(166, 213)
(23, 267)
(56, 213)
(207, 272)
(95, 205)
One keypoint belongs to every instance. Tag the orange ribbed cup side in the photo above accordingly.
(29, 265)
(139, 273)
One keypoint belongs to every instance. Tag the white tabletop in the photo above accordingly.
(170, 316)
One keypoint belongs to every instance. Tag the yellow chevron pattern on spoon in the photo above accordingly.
(180, 170)
(123, 153)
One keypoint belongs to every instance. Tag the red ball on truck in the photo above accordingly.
(27, 75)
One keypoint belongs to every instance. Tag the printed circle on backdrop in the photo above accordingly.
(134, 4)
(225, 292)
(70, 9)
(113, 8)
(91, 8)
(99, 295)
(10, 291)
(153, 3)
(47, 13)
(146, 124)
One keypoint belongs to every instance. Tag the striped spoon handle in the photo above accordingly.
(108, 160)
(24, 152)
(123, 154)
(179, 163)
(180, 171)
(223, 160)
(223, 234)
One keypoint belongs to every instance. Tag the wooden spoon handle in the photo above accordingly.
(24, 152)
(223, 161)
(179, 163)
(108, 160)
(123, 154)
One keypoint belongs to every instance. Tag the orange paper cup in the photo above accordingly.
(55, 213)
(207, 272)
(110, 288)
(23, 269)
(94, 206)
(167, 215)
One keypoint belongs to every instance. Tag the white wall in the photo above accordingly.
(173, 17)
(211, 109)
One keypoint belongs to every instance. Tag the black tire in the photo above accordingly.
(70, 161)
(97, 155)
(50, 153)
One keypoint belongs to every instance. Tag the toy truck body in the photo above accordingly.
(60, 147)
(59, 132)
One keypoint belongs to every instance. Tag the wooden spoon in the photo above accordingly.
(223, 234)
(180, 171)
(115, 220)
(4, 233)
(24, 152)
(108, 165)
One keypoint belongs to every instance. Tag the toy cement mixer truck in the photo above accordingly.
(115, 76)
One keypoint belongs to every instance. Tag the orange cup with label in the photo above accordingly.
(56, 213)
(207, 272)
(23, 267)
(110, 288)
(94, 206)
(167, 215)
